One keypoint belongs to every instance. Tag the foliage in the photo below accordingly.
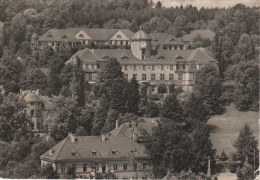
(245, 145)
(80, 131)
(152, 110)
(132, 96)
(208, 86)
(169, 148)
(110, 123)
(171, 109)
(155, 97)
(14, 124)
(223, 156)
(127, 118)
(246, 173)
(247, 86)
(162, 88)
(171, 88)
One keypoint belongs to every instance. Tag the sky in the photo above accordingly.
(209, 3)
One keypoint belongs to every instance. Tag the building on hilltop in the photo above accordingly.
(166, 41)
(74, 37)
(203, 33)
(36, 108)
(89, 155)
(148, 66)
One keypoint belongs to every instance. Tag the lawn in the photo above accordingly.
(225, 128)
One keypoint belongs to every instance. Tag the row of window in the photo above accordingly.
(144, 67)
(104, 166)
(162, 76)
(32, 104)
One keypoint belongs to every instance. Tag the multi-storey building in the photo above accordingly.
(36, 108)
(203, 33)
(89, 155)
(148, 66)
(73, 37)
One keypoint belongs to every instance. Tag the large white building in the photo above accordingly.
(148, 65)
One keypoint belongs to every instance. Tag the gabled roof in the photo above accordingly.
(165, 39)
(204, 33)
(201, 56)
(84, 146)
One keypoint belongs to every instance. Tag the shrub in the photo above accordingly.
(152, 110)
(155, 97)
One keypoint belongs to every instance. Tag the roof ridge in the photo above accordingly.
(203, 51)
(192, 55)
(61, 148)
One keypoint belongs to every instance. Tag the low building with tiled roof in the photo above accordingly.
(138, 132)
(36, 108)
(73, 37)
(89, 155)
(166, 41)
(203, 33)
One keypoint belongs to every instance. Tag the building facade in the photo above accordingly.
(36, 108)
(90, 155)
(149, 66)
(74, 37)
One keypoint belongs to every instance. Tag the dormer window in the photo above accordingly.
(178, 56)
(161, 57)
(133, 151)
(81, 35)
(124, 57)
(64, 36)
(119, 36)
(73, 153)
(155, 40)
(105, 57)
(94, 152)
(114, 152)
(172, 39)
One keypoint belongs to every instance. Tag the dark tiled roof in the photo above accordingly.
(164, 38)
(161, 56)
(205, 33)
(68, 35)
(85, 145)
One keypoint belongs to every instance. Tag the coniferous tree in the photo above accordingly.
(245, 145)
(132, 96)
(223, 156)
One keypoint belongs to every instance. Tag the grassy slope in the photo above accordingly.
(225, 129)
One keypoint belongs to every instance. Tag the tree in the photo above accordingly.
(132, 96)
(162, 88)
(247, 86)
(246, 173)
(169, 148)
(171, 109)
(158, 5)
(14, 124)
(223, 156)
(80, 131)
(110, 123)
(245, 146)
(208, 86)
(203, 148)
(152, 110)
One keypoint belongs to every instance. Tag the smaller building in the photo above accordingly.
(89, 155)
(36, 108)
(203, 33)
(166, 41)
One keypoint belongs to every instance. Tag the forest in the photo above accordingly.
(92, 110)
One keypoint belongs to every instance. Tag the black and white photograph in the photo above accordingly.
(129, 89)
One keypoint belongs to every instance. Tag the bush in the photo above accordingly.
(155, 97)
(152, 110)
(233, 169)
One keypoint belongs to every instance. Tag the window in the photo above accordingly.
(90, 77)
(115, 42)
(181, 47)
(152, 76)
(134, 67)
(143, 76)
(94, 153)
(74, 167)
(119, 36)
(81, 35)
(180, 77)
(104, 167)
(39, 111)
(171, 67)
(32, 112)
(153, 67)
(32, 104)
(25, 111)
(161, 76)
(52, 43)
(135, 166)
(38, 104)
(97, 168)
(171, 77)
(162, 67)
(125, 67)
(74, 154)
(58, 44)
(126, 76)
(114, 152)
(85, 167)
(83, 42)
(144, 67)
(93, 66)
(126, 42)
(121, 42)
(193, 76)
(143, 53)
(125, 167)
(115, 166)
(145, 166)
(63, 168)
(135, 76)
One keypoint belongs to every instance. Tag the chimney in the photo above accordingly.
(103, 138)
(116, 124)
(73, 138)
(38, 92)
(21, 91)
(69, 134)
